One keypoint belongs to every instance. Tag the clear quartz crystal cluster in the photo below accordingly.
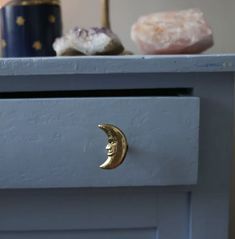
(175, 32)
(92, 41)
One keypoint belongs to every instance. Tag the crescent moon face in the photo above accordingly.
(116, 148)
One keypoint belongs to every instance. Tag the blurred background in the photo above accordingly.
(219, 13)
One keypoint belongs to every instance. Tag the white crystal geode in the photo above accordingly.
(92, 41)
(174, 32)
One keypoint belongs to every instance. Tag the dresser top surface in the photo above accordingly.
(117, 64)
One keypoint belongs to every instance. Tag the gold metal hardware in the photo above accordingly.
(117, 146)
(105, 16)
(39, 2)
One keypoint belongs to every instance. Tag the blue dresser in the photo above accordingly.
(176, 179)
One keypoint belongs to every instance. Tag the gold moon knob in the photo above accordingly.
(117, 146)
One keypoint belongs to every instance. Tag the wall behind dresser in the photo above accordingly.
(220, 15)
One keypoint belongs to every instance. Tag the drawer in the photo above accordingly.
(55, 143)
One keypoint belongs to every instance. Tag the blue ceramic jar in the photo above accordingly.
(29, 27)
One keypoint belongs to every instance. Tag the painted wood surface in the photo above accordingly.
(117, 65)
(48, 143)
(198, 212)
(148, 233)
(90, 214)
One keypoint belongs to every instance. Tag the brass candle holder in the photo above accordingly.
(105, 14)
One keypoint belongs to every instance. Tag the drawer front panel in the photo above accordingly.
(92, 234)
(94, 213)
(55, 143)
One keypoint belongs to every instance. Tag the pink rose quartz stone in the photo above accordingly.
(175, 32)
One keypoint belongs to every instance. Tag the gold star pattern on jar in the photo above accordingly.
(20, 21)
(37, 45)
(52, 19)
(3, 43)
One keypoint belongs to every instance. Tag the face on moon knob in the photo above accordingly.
(116, 148)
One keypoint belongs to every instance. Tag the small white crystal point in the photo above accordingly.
(92, 41)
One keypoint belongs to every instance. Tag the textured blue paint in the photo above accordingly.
(183, 212)
(57, 142)
(117, 64)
